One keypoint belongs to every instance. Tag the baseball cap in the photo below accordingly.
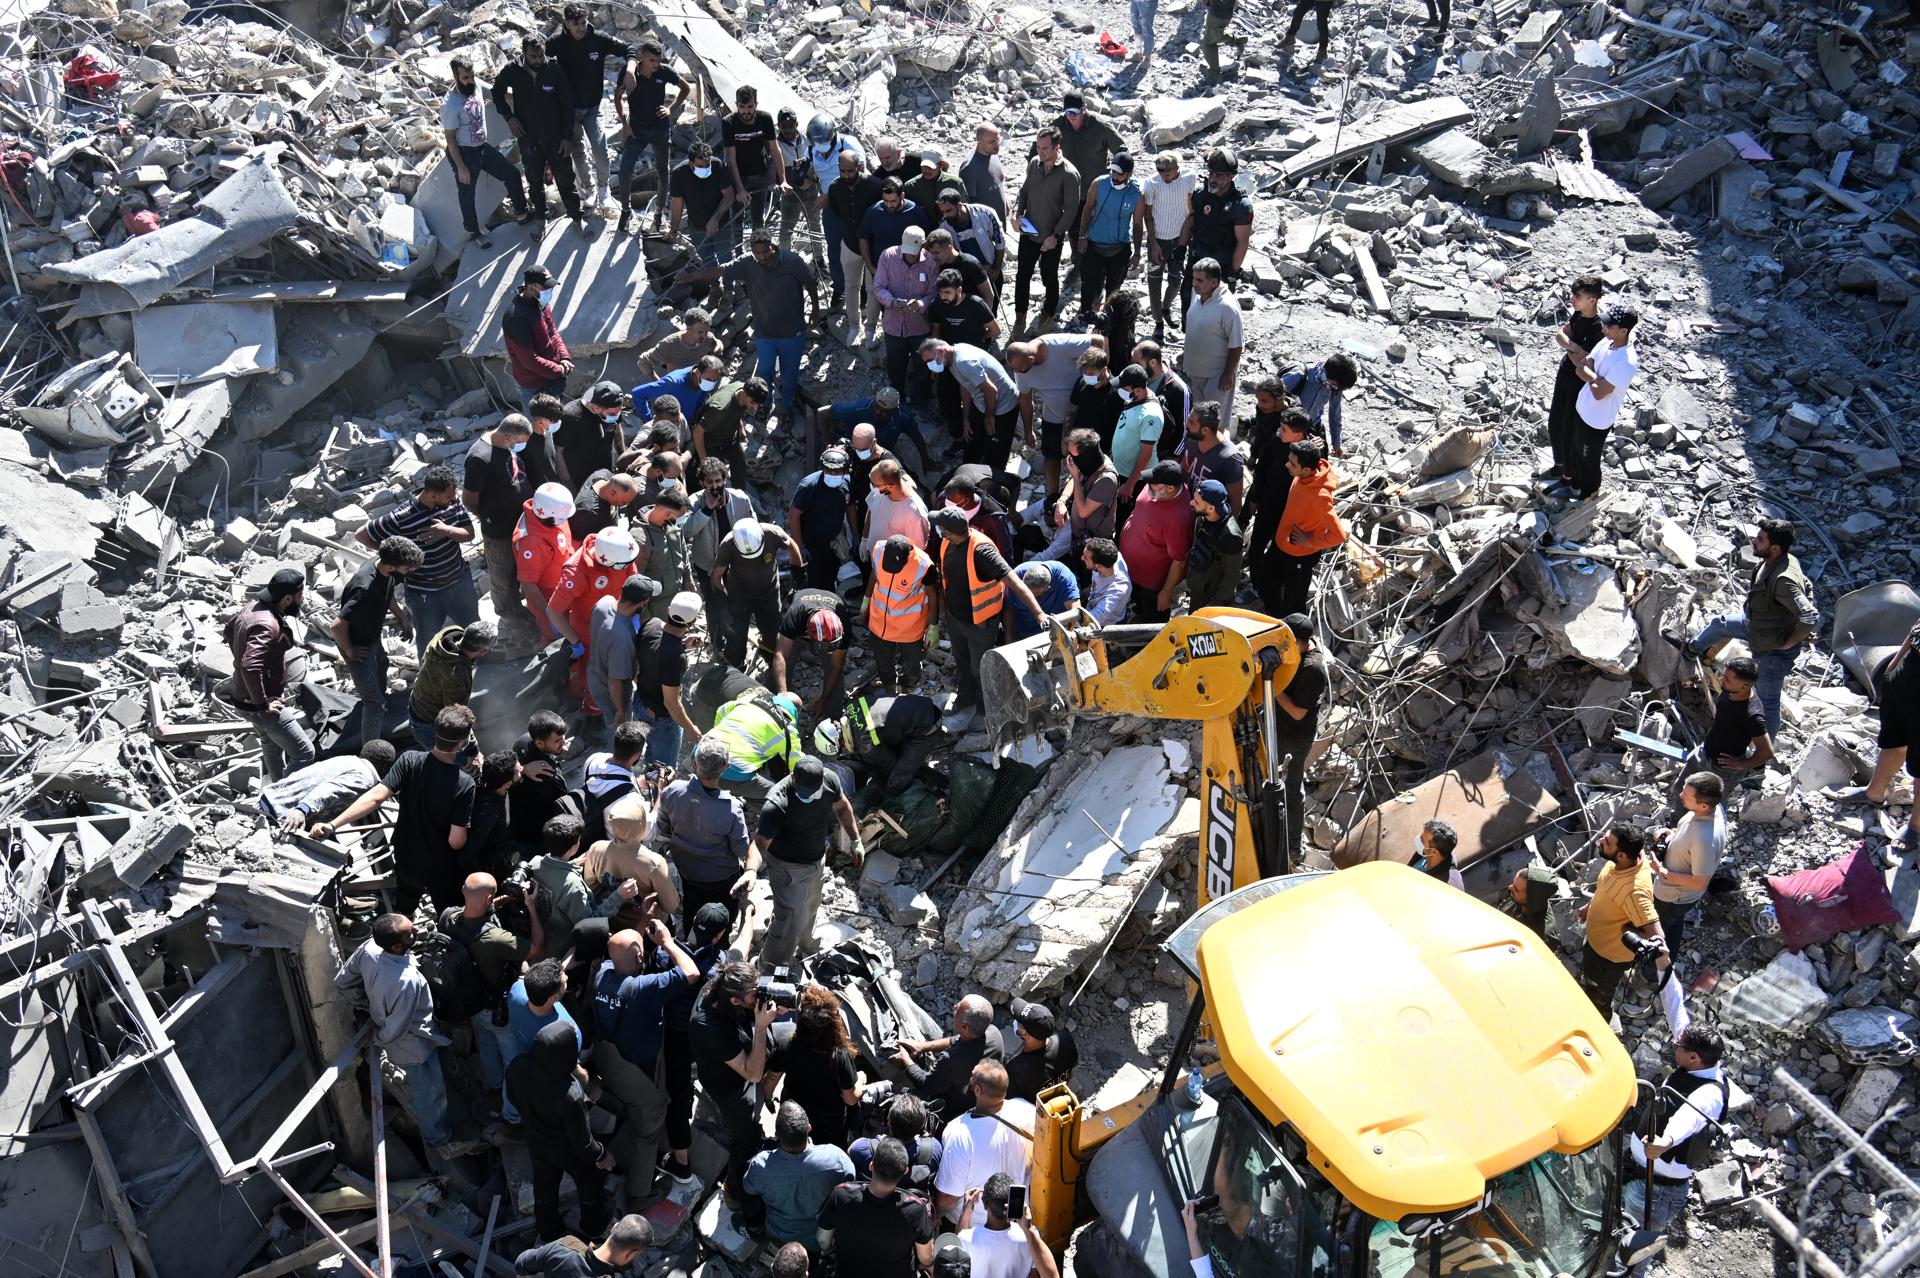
(1120, 163)
(684, 608)
(287, 581)
(929, 159)
(536, 275)
(913, 239)
(951, 522)
(1215, 494)
(809, 778)
(638, 589)
(1132, 377)
(950, 1258)
(607, 395)
(1300, 624)
(712, 922)
(1166, 472)
(1034, 1019)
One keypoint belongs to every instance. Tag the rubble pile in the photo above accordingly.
(239, 327)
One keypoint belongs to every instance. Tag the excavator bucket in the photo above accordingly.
(1025, 689)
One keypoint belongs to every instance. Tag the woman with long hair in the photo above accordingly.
(817, 1065)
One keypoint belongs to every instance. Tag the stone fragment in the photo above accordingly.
(85, 613)
(1169, 120)
(1867, 1099)
(906, 905)
(1783, 997)
(1870, 1035)
(1878, 463)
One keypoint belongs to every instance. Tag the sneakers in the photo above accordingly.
(480, 238)
(523, 216)
(601, 198)
(1551, 472)
(671, 1171)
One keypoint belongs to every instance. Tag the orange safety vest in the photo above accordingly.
(898, 613)
(985, 597)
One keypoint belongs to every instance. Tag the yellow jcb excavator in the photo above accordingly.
(1408, 1082)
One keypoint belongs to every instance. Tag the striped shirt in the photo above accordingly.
(444, 563)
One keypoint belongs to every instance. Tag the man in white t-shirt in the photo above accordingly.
(1607, 371)
(1695, 847)
(1162, 212)
(996, 1135)
(1001, 1247)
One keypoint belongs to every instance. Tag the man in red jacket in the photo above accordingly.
(259, 640)
(542, 546)
(534, 349)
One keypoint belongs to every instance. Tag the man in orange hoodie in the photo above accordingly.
(1308, 528)
(542, 544)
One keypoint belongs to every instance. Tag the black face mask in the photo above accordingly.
(1088, 461)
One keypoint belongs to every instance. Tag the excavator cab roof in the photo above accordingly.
(1418, 1041)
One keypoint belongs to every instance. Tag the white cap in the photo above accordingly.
(747, 537)
(552, 501)
(615, 547)
(684, 608)
(912, 240)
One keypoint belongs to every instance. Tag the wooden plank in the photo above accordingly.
(1834, 193)
(1392, 126)
(116, 1193)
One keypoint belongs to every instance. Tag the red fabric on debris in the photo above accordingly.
(1841, 896)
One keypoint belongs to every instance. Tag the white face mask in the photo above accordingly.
(835, 481)
(954, 505)
(669, 484)
(709, 387)
(863, 453)
(936, 366)
(1091, 379)
(703, 173)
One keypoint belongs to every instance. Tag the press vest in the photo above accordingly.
(1678, 1085)
(898, 613)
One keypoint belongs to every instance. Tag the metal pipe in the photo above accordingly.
(486, 1239)
(378, 1068)
(1791, 1234)
(305, 1208)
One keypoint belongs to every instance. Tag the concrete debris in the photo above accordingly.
(1785, 997)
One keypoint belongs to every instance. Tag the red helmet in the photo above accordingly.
(824, 626)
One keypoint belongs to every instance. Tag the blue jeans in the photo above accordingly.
(1669, 1205)
(664, 736)
(434, 610)
(284, 744)
(630, 152)
(1774, 666)
(495, 1044)
(786, 351)
(830, 232)
(427, 1089)
(1143, 12)
(487, 160)
(369, 672)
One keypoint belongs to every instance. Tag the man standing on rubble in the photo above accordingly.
(382, 980)
(974, 583)
(775, 282)
(1300, 704)
(365, 601)
(542, 544)
(1689, 853)
(599, 567)
(583, 54)
(1215, 340)
(752, 148)
(1308, 529)
(536, 100)
(436, 798)
(535, 351)
(1780, 617)
(646, 123)
(1622, 901)
(440, 590)
(1607, 372)
(793, 834)
(463, 118)
(496, 488)
(1577, 337)
(258, 638)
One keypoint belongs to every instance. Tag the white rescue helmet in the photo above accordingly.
(615, 547)
(552, 501)
(828, 738)
(747, 537)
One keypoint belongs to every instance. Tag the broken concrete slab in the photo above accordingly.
(1170, 120)
(86, 613)
(1871, 1035)
(1867, 1099)
(1784, 997)
(243, 212)
(1050, 895)
(1687, 172)
(1392, 125)
(1457, 158)
(317, 346)
(1490, 800)
(1594, 625)
(600, 302)
(198, 342)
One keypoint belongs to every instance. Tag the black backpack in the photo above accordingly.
(458, 993)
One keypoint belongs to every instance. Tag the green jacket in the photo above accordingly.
(668, 562)
(567, 901)
(1779, 601)
(445, 678)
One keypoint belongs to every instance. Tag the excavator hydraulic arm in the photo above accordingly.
(1219, 666)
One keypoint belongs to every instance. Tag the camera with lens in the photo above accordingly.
(775, 990)
(1646, 954)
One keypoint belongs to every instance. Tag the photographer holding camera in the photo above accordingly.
(1622, 903)
(729, 1035)
(498, 955)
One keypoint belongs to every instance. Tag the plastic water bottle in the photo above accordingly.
(1194, 1085)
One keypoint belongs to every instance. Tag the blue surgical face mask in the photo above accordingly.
(520, 447)
(546, 297)
(936, 366)
(669, 484)
(709, 387)
(699, 172)
(863, 453)
(1091, 379)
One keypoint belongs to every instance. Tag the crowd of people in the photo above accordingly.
(592, 932)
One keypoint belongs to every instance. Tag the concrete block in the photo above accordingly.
(1720, 1183)
(1878, 463)
(1169, 120)
(1867, 1099)
(238, 535)
(880, 871)
(906, 905)
(720, 1229)
(85, 613)
(1691, 169)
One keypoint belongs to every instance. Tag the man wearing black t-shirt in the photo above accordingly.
(879, 1230)
(436, 798)
(728, 1034)
(702, 199)
(1738, 741)
(947, 253)
(752, 148)
(814, 621)
(1300, 703)
(659, 668)
(795, 827)
(494, 488)
(1047, 1055)
(365, 601)
(646, 122)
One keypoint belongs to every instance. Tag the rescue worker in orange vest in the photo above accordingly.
(597, 569)
(904, 602)
(892, 736)
(975, 581)
(542, 544)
